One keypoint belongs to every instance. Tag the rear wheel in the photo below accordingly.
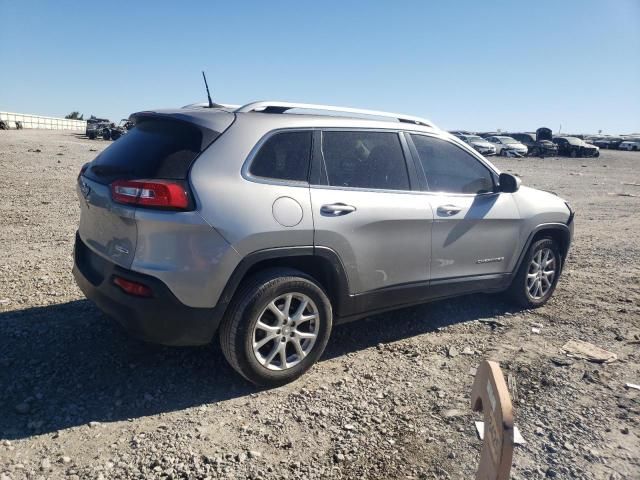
(538, 274)
(277, 327)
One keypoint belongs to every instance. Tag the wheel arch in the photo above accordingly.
(321, 263)
(558, 232)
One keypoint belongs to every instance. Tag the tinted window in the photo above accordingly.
(449, 168)
(153, 149)
(365, 160)
(284, 156)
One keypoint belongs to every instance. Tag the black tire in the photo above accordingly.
(518, 290)
(92, 135)
(237, 328)
(573, 154)
(503, 152)
(106, 134)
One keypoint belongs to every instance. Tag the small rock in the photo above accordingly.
(467, 351)
(625, 430)
(562, 361)
(453, 412)
(254, 454)
(551, 473)
(452, 352)
(94, 424)
(348, 426)
(338, 458)
(45, 465)
(5, 301)
(65, 460)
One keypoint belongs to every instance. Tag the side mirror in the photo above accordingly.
(508, 183)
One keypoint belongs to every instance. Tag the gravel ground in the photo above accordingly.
(390, 399)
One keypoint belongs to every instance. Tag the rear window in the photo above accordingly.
(153, 149)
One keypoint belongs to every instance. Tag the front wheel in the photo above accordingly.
(277, 327)
(538, 274)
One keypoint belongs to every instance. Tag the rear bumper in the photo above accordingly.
(161, 318)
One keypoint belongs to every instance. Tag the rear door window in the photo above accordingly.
(365, 159)
(159, 149)
(448, 168)
(284, 156)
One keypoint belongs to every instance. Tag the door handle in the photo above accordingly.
(449, 210)
(337, 209)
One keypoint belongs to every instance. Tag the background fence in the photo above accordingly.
(38, 121)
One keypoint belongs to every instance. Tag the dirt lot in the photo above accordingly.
(80, 399)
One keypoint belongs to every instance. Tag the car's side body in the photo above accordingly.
(477, 143)
(535, 146)
(575, 147)
(508, 146)
(630, 145)
(370, 248)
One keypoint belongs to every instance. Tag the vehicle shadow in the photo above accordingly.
(67, 365)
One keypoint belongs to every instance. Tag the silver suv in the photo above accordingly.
(272, 222)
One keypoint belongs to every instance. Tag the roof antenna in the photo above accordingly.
(211, 104)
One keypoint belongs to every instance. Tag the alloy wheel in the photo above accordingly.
(286, 331)
(541, 274)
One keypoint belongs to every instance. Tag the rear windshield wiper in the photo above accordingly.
(110, 169)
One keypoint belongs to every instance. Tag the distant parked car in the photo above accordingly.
(607, 142)
(632, 144)
(507, 146)
(478, 143)
(96, 129)
(538, 144)
(575, 147)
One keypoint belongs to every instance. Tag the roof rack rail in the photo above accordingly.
(206, 105)
(282, 107)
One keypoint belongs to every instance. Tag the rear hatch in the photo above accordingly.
(160, 150)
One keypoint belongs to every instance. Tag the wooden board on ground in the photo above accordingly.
(490, 395)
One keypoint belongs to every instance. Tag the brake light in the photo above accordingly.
(150, 193)
(132, 288)
(83, 169)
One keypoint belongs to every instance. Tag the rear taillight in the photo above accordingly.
(132, 288)
(150, 193)
(83, 169)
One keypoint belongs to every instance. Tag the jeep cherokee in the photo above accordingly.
(272, 222)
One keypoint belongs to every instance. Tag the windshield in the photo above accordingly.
(574, 141)
(475, 138)
(508, 140)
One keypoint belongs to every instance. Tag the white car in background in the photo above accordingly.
(631, 144)
(507, 146)
(478, 143)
